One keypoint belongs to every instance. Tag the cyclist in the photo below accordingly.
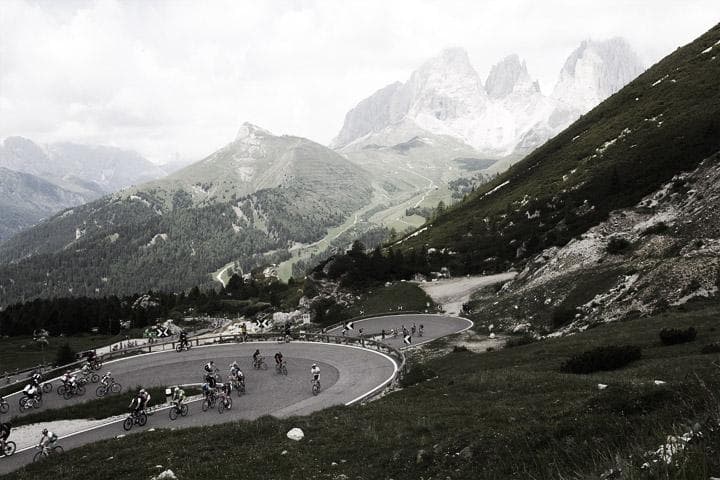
(183, 338)
(5, 429)
(243, 331)
(206, 390)
(256, 357)
(31, 391)
(105, 380)
(86, 370)
(413, 329)
(140, 401)
(234, 368)
(278, 359)
(210, 367)
(48, 439)
(178, 397)
(315, 371)
(421, 330)
(65, 378)
(35, 379)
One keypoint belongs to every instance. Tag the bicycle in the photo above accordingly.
(209, 401)
(111, 387)
(96, 364)
(45, 452)
(28, 403)
(135, 418)
(182, 346)
(4, 405)
(90, 378)
(238, 386)
(175, 411)
(78, 390)
(8, 448)
(281, 368)
(46, 387)
(224, 403)
(260, 364)
(315, 386)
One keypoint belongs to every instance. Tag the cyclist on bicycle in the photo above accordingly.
(105, 380)
(422, 329)
(178, 397)
(5, 430)
(86, 370)
(183, 338)
(315, 371)
(234, 368)
(256, 356)
(48, 439)
(210, 367)
(278, 359)
(31, 391)
(35, 379)
(140, 401)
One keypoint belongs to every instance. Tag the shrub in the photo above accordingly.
(460, 348)
(617, 245)
(65, 355)
(417, 373)
(563, 315)
(711, 348)
(674, 336)
(519, 341)
(602, 358)
(657, 229)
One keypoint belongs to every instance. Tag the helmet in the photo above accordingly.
(108, 373)
(45, 431)
(142, 390)
(212, 362)
(314, 365)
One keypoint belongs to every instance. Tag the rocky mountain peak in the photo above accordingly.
(508, 76)
(249, 130)
(594, 71)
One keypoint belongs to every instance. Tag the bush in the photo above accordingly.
(65, 355)
(519, 341)
(602, 358)
(711, 348)
(657, 229)
(563, 315)
(417, 373)
(617, 245)
(674, 336)
(460, 348)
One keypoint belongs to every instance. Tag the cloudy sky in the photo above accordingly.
(176, 78)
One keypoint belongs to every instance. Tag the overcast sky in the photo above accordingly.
(177, 78)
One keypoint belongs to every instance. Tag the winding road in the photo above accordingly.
(348, 374)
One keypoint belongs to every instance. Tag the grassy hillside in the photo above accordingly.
(502, 414)
(664, 122)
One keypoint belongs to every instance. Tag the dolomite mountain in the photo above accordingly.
(505, 115)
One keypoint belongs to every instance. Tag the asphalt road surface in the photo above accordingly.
(347, 374)
(435, 326)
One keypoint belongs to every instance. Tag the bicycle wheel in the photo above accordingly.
(10, 448)
(115, 387)
(316, 388)
(128, 423)
(22, 401)
(81, 390)
(101, 391)
(47, 387)
(229, 403)
(205, 405)
(142, 419)
(179, 348)
(184, 410)
(221, 406)
(4, 407)
(173, 413)
(94, 378)
(61, 390)
(283, 370)
(37, 403)
(57, 450)
(97, 365)
(264, 366)
(39, 455)
(68, 394)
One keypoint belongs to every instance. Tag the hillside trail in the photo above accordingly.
(452, 293)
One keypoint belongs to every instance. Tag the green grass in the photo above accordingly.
(22, 352)
(96, 409)
(512, 412)
(381, 299)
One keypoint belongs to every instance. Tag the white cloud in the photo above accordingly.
(180, 76)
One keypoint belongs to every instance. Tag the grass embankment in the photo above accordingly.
(22, 352)
(399, 296)
(496, 415)
(108, 406)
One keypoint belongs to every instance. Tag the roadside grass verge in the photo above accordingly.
(99, 408)
(503, 414)
(399, 296)
(22, 352)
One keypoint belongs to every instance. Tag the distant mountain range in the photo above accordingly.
(244, 205)
(38, 181)
(508, 115)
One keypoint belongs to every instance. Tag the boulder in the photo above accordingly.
(295, 434)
